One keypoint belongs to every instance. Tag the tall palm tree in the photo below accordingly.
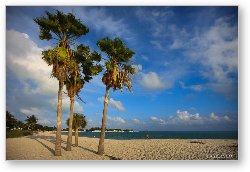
(78, 121)
(118, 74)
(84, 67)
(73, 86)
(66, 29)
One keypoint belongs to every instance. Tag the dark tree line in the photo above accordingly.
(30, 124)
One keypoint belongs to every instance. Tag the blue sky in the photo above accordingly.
(186, 60)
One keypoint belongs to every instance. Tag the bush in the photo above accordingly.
(17, 133)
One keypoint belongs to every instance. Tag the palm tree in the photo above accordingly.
(20, 125)
(117, 74)
(66, 29)
(31, 122)
(78, 121)
(11, 121)
(73, 87)
(86, 62)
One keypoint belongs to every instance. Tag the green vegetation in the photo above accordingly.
(73, 65)
(18, 133)
(78, 121)
(16, 128)
(115, 129)
(83, 66)
(12, 122)
(31, 122)
(117, 74)
(93, 129)
(66, 29)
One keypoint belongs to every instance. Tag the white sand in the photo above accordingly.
(41, 147)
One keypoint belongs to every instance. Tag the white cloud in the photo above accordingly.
(176, 44)
(184, 118)
(166, 35)
(26, 35)
(39, 114)
(117, 119)
(45, 121)
(138, 68)
(30, 111)
(24, 60)
(102, 21)
(183, 115)
(156, 19)
(120, 120)
(214, 117)
(214, 49)
(197, 87)
(196, 116)
(117, 104)
(100, 99)
(66, 104)
(32, 91)
(153, 118)
(158, 120)
(136, 121)
(93, 123)
(162, 122)
(116, 122)
(217, 51)
(114, 103)
(98, 113)
(226, 118)
(152, 81)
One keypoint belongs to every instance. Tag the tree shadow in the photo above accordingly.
(51, 139)
(95, 152)
(113, 158)
(50, 149)
(87, 149)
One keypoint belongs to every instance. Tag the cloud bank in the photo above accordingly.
(30, 88)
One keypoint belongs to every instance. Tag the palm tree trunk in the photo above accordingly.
(69, 140)
(59, 121)
(76, 136)
(104, 119)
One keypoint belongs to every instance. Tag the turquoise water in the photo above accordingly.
(164, 135)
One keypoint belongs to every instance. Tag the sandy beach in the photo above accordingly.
(41, 147)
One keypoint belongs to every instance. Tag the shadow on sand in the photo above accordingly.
(109, 156)
(52, 139)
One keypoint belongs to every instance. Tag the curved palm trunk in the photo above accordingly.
(69, 139)
(76, 136)
(59, 121)
(104, 119)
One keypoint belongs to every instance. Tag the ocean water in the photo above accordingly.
(163, 135)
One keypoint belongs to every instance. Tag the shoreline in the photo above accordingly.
(157, 139)
(161, 135)
(41, 147)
